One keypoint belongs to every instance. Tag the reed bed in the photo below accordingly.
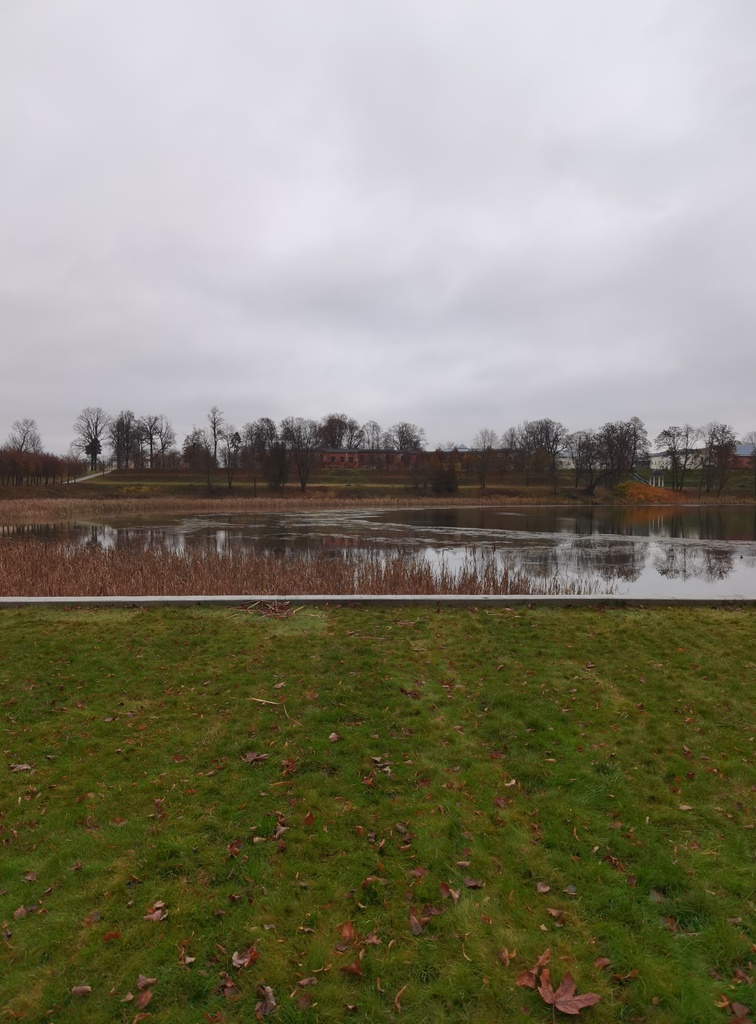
(28, 510)
(34, 568)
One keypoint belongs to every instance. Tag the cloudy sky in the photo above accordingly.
(463, 214)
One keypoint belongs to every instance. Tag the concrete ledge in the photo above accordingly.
(360, 600)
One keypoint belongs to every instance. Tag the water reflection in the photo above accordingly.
(644, 551)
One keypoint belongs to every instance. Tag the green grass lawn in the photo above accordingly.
(396, 811)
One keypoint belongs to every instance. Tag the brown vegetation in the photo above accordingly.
(33, 568)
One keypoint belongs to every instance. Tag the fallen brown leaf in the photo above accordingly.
(143, 999)
(564, 998)
(448, 893)
(267, 1001)
(245, 959)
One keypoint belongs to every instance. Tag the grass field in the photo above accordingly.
(378, 813)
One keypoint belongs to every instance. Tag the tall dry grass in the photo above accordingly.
(33, 568)
(35, 510)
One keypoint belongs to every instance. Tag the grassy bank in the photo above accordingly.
(394, 815)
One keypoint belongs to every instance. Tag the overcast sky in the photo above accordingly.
(463, 214)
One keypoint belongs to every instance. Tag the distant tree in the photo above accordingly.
(125, 439)
(442, 474)
(264, 453)
(302, 440)
(354, 436)
(157, 436)
(231, 443)
(215, 426)
(372, 434)
(750, 438)
(719, 444)
(404, 437)
(552, 439)
(197, 453)
(679, 443)
(89, 428)
(583, 450)
(166, 439)
(337, 430)
(24, 436)
(485, 444)
(621, 445)
(524, 442)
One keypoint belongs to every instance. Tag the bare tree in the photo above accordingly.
(485, 443)
(24, 436)
(231, 443)
(215, 424)
(373, 434)
(583, 450)
(337, 430)
(302, 439)
(524, 441)
(679, 444)
(404, 437)
(621, 445)
(124, 438)
(166, 438)
(154, 430)
(718, 450)
(197, 453)
(552, 437)
(90, 427)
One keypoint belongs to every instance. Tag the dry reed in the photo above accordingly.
(35, 510)
(34, 568)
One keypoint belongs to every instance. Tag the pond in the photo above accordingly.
(640, 551)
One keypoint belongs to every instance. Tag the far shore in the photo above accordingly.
(63, 504)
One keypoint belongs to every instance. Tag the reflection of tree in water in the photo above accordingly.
(623, 560)
(694, 561)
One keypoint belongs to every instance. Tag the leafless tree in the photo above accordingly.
(24, 436)
(679, 444)
(404, 437)
(90, 427)
(373, 434)
(719, 443)
(621, 445)
(230, 442)
(583, 450)
(166, 438)
(124, 438)
(197, 453)
(157, 436)
(302, 439)
(337, 430)
(485, 443)
(552, 437)
(215, 424)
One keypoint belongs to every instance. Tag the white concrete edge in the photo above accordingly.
(360, 600)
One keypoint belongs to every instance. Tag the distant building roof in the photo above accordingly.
(744, 451)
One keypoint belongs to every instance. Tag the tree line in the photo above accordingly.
(271, 452)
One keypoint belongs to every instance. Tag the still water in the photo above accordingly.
(649, 551)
